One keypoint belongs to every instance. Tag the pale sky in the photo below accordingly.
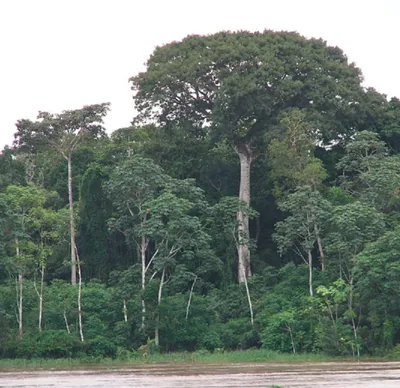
(63, 54)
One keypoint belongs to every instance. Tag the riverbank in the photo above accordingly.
(199, 357)
(198, 375)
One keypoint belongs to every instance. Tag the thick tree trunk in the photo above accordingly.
(244, 269)
(71, 223)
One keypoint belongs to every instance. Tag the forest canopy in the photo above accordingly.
(253, 202)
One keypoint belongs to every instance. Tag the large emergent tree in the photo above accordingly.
(234, 86)
(63, 131)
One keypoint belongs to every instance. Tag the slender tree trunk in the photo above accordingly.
(249, 301)
(125, 310)
(20, 301)
(190, 298)
(291, 338)
(320, 249)
(353, 322)
(244, 270)
(80, 298)
(19, 289)
(66, 322)
(40, 296)
(156, 332)
(310, 274)
(41, 299)
(143, 248)
(71, 222)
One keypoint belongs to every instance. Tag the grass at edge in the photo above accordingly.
(199, 357)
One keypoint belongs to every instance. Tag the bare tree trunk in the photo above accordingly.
(249, 301)
(71, 222)
(156, 332)
(310, 274)
(66, 322)
(40, 296)
(353, 322)
(20, 304)
(41, 299)
(291, 338)
(143, 248)
(244, 270)
(19, 291)
(80, 298)
(190, 298)
(320, 249)
(125, 310)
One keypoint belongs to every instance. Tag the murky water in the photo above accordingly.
(349, 375)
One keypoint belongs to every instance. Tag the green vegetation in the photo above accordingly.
(249, 214)
(133, 359)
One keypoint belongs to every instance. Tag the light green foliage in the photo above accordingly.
(362, 154)
(381, 185)
(337, 304)
(308, 212)
(353, 226)
(131, 184)
(60, 299)
(291, 156)
(23, 203)
(61, 131)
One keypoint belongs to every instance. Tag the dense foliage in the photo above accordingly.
(142, 241)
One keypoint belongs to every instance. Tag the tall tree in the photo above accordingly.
(63, 131)
(302, 229)
(364, 152)
(133, 183)
(235, 85)
(21, 201)
(368, 172)
(176, 233)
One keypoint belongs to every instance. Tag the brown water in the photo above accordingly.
(349, 375)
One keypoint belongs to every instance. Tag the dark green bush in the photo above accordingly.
(56, 344)
(239, 334)
(101, 347)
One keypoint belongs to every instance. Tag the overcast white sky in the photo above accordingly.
(63, 54)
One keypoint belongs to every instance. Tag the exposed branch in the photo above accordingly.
(190, 298)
